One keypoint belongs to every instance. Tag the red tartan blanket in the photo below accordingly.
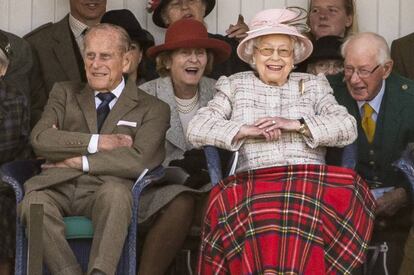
(299, 219)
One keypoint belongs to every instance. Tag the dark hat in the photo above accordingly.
(126, 19)
(158, 5)
(190, 33)
(5, 45)
(326, 47)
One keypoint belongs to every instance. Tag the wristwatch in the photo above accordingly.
(303, 128)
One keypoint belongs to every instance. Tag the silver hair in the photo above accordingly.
(4, 61)
(124, 41)
(376, 42)
(298, 49)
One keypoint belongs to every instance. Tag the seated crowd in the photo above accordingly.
(295, 92)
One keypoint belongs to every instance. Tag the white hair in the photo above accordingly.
(376, 41)
(298, 49)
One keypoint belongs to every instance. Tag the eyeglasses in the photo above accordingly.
(362, 73)
(283, 52)
(177, 4)
(324, 66)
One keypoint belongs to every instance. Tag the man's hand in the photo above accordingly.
(75, 163)
(113, 141)
(239, 30)
(391, 202)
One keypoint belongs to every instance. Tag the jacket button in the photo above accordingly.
(375, 178)
(372, 163)
(371, 152)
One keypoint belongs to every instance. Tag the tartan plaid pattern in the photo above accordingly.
(298, 219)
(14, 122)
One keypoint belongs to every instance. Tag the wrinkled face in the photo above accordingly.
(178, 9)
(187, 66)
(328, 17)
(136, 56)
(104, 60)
(326, 67)
(363, 74)
(88, 10)
(273, 57)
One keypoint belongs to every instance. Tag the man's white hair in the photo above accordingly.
(376, 41)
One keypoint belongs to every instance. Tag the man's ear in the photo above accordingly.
(126, 62)
(387, 68)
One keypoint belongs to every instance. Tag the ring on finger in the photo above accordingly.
(273, 122)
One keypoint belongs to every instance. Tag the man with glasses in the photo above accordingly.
(382, 104)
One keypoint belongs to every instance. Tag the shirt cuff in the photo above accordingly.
(93, 144)
(85, 164)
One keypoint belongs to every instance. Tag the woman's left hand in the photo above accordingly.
(279, 123)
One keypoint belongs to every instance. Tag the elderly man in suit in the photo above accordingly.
(96, 138)
(402, 54)
(57, 50)
(381, 102)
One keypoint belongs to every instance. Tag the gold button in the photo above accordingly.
(372, 163)
(371, 152)
(404, 87)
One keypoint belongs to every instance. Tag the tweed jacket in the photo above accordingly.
(54, 61)
(21, 63)
(71, 107)
(394, 130)
(402, 54)
(162, 89)
(243, 98)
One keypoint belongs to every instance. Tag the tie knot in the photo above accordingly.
(368, 110)
(106, 97)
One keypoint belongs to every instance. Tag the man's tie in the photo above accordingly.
(368, 124)
(103, 109)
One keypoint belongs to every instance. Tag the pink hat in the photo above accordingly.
(278, 21)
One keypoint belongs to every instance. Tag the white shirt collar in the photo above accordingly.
(375, 103)
(118, 90)
(76, 26)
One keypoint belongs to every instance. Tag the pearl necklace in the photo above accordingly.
(186, 108)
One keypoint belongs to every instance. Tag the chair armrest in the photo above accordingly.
(16, 173)
(213, 164)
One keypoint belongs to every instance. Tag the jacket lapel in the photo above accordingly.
(86, 101)
(126, 102)
(175, 133)
(392, 107)
(63, 46)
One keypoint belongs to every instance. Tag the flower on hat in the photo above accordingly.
(152, 5)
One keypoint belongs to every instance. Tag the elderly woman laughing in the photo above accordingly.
(285, 211)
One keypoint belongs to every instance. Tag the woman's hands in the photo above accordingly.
(269, 128)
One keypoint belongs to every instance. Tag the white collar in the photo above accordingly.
(118, 90)
(76, 26)
(375, 103)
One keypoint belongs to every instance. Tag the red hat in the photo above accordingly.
(190, 33)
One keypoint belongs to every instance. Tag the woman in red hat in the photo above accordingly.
(166, 12)
(182, 61)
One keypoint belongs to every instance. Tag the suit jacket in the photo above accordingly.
(394, 130)
(162, 89)
(402, 54)
(54, 61)
(71, 107)
(21, 63)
